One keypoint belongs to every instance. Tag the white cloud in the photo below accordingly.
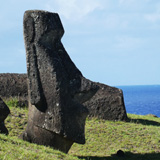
(73, 9)
(154, 17)
(114, 21)
(126, 1)
(127, 42)
(131, 2)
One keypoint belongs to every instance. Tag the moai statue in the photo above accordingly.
(4, 111)
(59, 95)
(55, 118)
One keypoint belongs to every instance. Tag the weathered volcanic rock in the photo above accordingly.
(55, 117)
(4, 111)
(14, 86)
(59, 95)
(107, 103)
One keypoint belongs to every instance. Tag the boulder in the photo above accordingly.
(58, 93)
(4, 111)
(106, 102)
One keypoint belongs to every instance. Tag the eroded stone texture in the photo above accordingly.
(4, 111)
(53, 79)
(59, 95)
(105, 103)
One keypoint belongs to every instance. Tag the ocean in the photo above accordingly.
(142, 99)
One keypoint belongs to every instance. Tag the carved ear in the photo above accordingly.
(34, 83)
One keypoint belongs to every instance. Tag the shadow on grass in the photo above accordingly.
(127, 156)
(144, 122)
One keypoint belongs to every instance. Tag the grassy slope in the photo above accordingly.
(139, 139)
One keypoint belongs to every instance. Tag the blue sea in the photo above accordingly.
(142, 99)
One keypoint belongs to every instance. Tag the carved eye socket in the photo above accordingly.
(49, 39)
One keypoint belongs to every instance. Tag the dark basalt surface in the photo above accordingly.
(4, 111)
(107, 103)
(55, 117)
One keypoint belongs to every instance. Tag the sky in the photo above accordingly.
(116, 42)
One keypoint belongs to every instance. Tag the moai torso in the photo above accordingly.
(53, 78)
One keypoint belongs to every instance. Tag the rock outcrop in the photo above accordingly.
(4, 111)
(59, 95)
(107, 103)
(14, 85)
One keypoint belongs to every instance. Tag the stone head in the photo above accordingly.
(44, 28)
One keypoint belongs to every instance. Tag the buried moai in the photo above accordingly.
(4, 111)
(55, 118)
(59, 95)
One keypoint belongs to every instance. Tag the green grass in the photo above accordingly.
(139, 138)
(12, 102)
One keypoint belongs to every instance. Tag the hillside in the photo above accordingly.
(139, 138)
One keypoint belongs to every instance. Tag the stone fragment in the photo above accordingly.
(107, 103)
(58, 93)
(4, 111)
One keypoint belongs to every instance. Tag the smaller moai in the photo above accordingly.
(4, 111)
